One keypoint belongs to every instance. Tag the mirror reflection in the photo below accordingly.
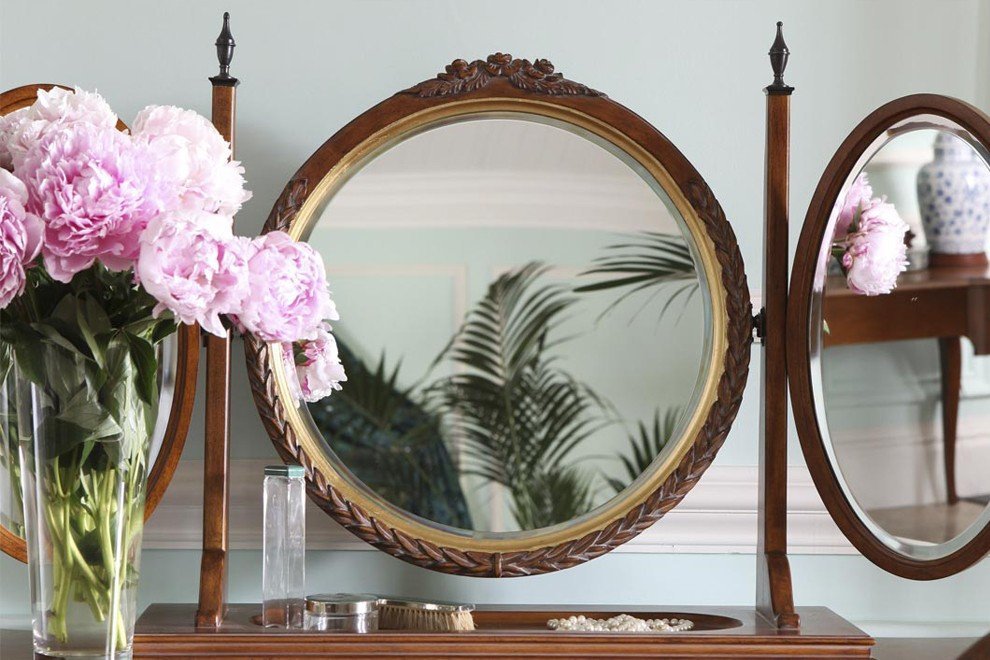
(523, 325)
(905, 358)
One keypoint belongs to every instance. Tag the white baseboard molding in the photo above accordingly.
(718, 516)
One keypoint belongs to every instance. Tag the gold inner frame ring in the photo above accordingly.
(649, 481)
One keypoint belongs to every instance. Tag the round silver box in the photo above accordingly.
(356, 613)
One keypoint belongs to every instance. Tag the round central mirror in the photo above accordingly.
(892, 327)
(524, 326)
(544, 323)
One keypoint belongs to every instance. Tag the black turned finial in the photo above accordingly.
(779, 54)
(225, 53)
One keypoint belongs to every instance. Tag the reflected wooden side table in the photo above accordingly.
(942, 303)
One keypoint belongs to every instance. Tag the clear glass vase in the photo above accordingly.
(84, 433)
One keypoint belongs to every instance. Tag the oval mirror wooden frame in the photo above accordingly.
(184, 388)
(898, 114)
(502, 85)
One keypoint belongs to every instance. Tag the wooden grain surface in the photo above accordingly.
(774, 594)
(16, 645)
(167, 630)
(216, 451)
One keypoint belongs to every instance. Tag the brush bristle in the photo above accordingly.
(397, 617)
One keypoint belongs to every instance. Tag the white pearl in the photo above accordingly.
(620, 623)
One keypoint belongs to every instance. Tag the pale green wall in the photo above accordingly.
(695, 69)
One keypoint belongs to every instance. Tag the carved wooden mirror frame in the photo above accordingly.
(801, 349)
(184, 389)
(503, 85)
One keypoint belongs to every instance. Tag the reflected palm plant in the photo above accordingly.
(551, 496)
(644, 446)
(391, 442)
(516, 415)
(645, 261)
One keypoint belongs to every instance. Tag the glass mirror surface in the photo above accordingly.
(523, 323)
(905, 375)
(11, 500)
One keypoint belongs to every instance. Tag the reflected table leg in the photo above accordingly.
(950, 360)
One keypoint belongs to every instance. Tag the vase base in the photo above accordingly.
(46, 652)
(945, 260)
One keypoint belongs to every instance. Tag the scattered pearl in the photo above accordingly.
(620, 623)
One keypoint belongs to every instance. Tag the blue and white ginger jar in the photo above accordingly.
(954, 198)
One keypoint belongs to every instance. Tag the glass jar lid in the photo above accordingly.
(341, 604)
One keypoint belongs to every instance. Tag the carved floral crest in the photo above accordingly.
(539, 77)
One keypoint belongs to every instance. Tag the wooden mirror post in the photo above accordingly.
(216, 455)
(774, 598)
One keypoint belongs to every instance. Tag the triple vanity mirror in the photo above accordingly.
(546, 328)
(179, 358)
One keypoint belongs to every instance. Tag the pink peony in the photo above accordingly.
(96, 191)
(318, 368)
(192, 264)
(859, 195)
(9, 124)
(20, 237)
(288, 299)
(193, 155)
(291, 372)
(55, 110)
(875, 253)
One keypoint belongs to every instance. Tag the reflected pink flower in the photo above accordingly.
(859, 195)
(876, 253)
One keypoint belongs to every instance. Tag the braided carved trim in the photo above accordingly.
(397, 543)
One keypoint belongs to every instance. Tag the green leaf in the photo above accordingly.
(116, 391)
(60, 336)
(6, 361)
(29, 353)
(146, 362)
(93, 323)
(162, 329)
(650, 260)
(85, 411)
(61, 437)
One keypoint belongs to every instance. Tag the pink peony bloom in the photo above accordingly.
(192, 154)
(9, 123)
(20, 237)
(55, 110)
(192, 264)
(96, 191)
(318, 368)
(876, 253)
(859, 195)
(288, 299)
(291, 373)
